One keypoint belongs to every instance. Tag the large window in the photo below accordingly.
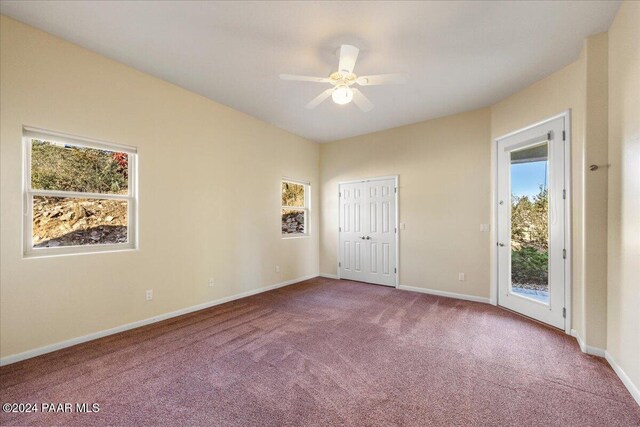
(295, 208)
(79, 195)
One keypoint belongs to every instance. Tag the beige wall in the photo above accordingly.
(595, 190)
(582, 88)
(623, 314)
(209, 194)
(444, 196)
(456, 153)
(562, 90)
(445, 184)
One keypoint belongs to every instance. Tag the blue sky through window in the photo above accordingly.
(526, 178)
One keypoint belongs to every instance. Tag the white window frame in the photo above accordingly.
(28, 134)
(306, 208)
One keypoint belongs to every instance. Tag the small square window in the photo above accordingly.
(295, 208)
(79, 195)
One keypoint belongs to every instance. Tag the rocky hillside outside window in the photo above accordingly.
(79, 195)
(295, 208)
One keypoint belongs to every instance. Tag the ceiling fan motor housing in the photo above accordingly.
(342, 77)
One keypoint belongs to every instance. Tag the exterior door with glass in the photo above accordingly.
(531, 222)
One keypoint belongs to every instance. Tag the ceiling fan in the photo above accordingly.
(342, 81)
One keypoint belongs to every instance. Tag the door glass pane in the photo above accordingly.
(530, 222)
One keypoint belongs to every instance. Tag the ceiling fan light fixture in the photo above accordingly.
(342, 81)
(342, 95)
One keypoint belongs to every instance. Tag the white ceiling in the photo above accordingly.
(460, 55)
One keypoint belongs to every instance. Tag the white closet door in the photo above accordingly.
(351, 252)
(380, 236)
(368, 231)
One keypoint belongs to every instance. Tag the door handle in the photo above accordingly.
(501, 244)
(368, 238)
(362, 237)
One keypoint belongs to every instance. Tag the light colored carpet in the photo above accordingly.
(328, 352)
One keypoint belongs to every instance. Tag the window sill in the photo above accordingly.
(76, 250)
(295, 236)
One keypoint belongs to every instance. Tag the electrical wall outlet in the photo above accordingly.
(211, 282)
(403, 226)
(461, 277)
(149, 294)
(277, 269)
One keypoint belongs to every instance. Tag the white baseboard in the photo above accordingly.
(329, 276)
(89, 337)
(445, 294)
(594, 351)
(633, 389)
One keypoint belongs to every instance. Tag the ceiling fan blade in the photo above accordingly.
(318, 99)
(348, 56)
(382, 79)
(361, 101)
(304, 78)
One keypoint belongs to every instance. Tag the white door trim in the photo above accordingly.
(396, 225)
(566, 115)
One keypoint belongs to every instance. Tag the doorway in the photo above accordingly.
(532, 221)
(368, 230)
